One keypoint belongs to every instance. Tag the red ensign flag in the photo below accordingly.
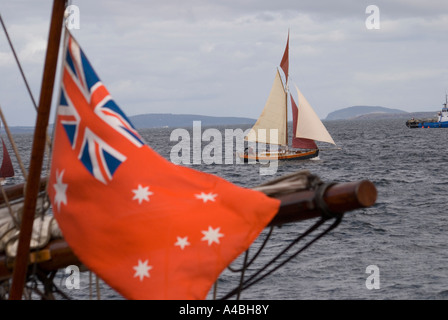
(147, 227)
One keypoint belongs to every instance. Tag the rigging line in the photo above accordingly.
(243, 271)
(253, 280)
(22, 73)
(246, 265)
(18, 63)
(5, 196)
(13, 144)
(338, 220)
(307, 232)
(215, 289)
(10, 211)
(98, 290)
(90, 286)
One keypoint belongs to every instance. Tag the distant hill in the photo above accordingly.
(161, 120)
(358, 111)
(406, 115)
(368, 112)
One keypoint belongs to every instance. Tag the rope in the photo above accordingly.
(246, 255)
(44, 204)
(98, 291)
(294, 182)
(5, 197)
(18, 63)
(256, 255)
(11, 213)
(319, 200)
(97, 286)
(22, 73)
(13, 144)
(256, 277)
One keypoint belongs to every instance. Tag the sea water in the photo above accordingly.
(401, 240)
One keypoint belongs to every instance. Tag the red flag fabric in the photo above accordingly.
(147, 227)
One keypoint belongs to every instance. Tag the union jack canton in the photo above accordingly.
(98, 157)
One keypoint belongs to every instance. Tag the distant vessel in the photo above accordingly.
(440, 122)
(307, 127)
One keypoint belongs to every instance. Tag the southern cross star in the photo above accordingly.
(182, 242)
(61, 190)
(142, 194)
(206, 196)
(211, 235)
(141, 270)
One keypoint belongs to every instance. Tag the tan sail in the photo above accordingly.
(308, 124)
(272, 117)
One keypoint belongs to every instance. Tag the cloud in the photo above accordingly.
(391, 77)
(219, 57)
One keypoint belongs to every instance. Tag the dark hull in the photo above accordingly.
(413, 124)
(292, 155)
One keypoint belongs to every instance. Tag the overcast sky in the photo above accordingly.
(219, 57)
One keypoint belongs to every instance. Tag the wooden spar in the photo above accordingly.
(15, 192)
(339, 198)
(37, 151)
(295, 207)
(56, 255)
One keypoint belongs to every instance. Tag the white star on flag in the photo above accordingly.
(141, 270)
(211, 235)
(61, 190)
(142, 194)
(206, 196)
(182, 242)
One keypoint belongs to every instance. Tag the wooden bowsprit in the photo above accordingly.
(327, 201)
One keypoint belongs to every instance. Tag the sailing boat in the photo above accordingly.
(272, 126)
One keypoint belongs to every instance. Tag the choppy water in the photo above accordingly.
(405, 234)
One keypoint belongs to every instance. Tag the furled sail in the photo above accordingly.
(273, 116)
(309, 125)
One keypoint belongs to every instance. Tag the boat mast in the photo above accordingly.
(37, 152)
